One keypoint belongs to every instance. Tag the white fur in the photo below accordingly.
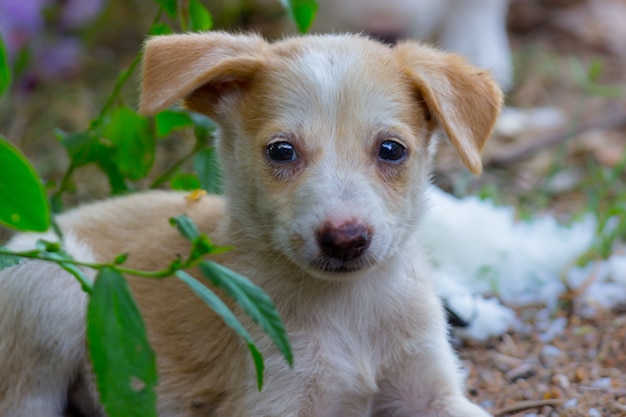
(42, 310)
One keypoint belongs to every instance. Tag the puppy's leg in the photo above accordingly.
(427, 385)
(42, 338)
(426, 381)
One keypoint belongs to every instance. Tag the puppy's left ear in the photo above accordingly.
(464, 100)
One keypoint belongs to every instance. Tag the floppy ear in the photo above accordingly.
(464, 100)
(210, 64)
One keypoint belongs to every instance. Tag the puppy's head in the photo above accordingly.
(325, 140)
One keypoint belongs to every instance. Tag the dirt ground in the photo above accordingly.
(580, 369)
(579, 372)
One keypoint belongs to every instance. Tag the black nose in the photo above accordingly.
(344, 242)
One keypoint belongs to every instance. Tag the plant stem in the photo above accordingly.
(65, 182)
(163, 273)
(123, 78)
(167, 175)
(183, 14)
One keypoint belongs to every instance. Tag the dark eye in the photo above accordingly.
(281, 152)
(391, 151)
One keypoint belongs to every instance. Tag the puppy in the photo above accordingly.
(325, 143)
(473, 28)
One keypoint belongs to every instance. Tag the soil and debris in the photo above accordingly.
(578, 371)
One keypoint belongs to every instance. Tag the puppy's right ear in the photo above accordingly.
(464, 100)
(199, 67)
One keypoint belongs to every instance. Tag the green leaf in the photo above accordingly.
(209, 172)
(134, 145)
(185, 226)
(83, 147)
(122, 359)
(199, 17)
(115, 176)
(185, 182)
(5, 68)
(87, 147)
(170, 120)
(254, 301)
(222, 310)
(596, 66)
(7, 260)
(160, 28)
(48, 246)
(302, 12)
(203, 128)
(203, 245)
(120, 259)
(23, 201)
(169, 6)
(586, 79)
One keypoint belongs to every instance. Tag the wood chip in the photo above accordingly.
(525, 405)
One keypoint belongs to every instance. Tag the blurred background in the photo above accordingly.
(558, 151)
(569, 81)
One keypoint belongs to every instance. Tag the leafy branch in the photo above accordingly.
(251, 298)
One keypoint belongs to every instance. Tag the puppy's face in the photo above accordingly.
(335, 147)
(326, 141)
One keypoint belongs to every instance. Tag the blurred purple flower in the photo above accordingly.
(78, 13)
(55, 53)
(20, 21)
(61, 59)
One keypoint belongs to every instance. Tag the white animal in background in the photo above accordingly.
(325, 143)
(473, 28)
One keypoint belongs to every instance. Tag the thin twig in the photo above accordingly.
(619, 406)
(525, 405)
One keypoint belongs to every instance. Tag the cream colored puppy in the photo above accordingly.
(325, 143)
